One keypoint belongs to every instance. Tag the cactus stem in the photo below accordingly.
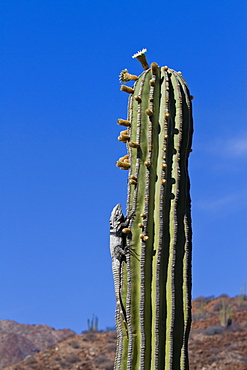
(123, 122)
(156, 286)
(140, 55)
(126, 89)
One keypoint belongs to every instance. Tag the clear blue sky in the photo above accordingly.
(59, 102)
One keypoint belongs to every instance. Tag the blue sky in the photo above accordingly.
(60, 101)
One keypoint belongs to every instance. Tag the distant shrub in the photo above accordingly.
(217, 306)
(214, 330)
(113, 334)
(244, 324)
(104, 363)
(110, 328)
(112, 347)
(241, 307)
(72, 359)
(234, 327)
(203, 299)
(111, 337)
(241, 299)
(64, 365)
(199, 316)
(30, 360)
(89, 336)
(74, 344)
(224, 295)
(202, 313)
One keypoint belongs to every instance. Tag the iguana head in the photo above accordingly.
(116, 216)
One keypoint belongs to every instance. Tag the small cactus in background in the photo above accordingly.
(225, 315)
(243, 291)
(93, 324)
(155, 274)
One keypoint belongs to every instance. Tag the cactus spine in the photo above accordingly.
(156, 278)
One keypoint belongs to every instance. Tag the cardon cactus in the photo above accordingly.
(153, 281)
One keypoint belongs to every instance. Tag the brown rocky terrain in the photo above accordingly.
(18, 341)
(218, 340)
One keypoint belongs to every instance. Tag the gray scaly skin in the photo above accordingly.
(118, 230)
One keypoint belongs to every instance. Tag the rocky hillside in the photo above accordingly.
(18, 341)
(218, 340)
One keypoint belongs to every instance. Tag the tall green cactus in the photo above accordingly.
(156, 273)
